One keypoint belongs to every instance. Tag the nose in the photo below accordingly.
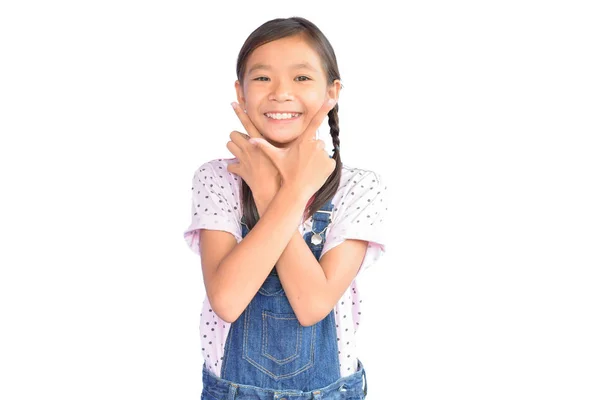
(282, 91)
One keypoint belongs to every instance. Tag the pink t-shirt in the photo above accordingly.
(358, 213)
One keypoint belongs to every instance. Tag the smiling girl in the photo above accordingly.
(283, 229)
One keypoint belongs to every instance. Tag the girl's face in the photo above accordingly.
(284, 76)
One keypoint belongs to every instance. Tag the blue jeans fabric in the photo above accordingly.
(270, 355)
(347, 388)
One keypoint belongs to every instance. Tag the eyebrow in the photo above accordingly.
(295, 66)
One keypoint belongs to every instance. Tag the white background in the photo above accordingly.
(482, 116)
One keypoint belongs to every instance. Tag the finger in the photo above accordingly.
(234, 168)
(265, 147)
(315, 123)
(243, 117)
(239, 138)
(234, 149)
(242, 134)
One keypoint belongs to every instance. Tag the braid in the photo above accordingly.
(330, 187)
(334, 128)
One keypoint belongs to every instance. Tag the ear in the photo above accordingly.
(333, 90)
(240, 94)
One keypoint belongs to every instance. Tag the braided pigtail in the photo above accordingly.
(329, 188)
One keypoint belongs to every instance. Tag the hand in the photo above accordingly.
(254, 167)
(305, 165)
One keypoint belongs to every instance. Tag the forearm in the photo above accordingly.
(301, 275)
(303, 281)
(245, 268)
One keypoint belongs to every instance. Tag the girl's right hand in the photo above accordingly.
(253, 166)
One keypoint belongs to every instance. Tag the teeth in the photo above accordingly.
(282, 116)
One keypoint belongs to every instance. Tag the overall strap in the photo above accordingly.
(315, 239)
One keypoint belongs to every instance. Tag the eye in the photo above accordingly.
(260, 78)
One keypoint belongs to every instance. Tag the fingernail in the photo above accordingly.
(233, 105)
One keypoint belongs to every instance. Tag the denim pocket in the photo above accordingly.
(282, 337)
(276, 343)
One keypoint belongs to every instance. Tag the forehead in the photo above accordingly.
(284, 54)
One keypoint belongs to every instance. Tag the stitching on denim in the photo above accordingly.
(265, 293)
(226, 351)
(331, 318)
(278, 377)
(265, 335)
(208, 393)
(245, 341)
(246, 357)
(272, 374)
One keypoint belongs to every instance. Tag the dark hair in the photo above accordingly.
(277, 29)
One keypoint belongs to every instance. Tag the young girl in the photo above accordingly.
(283, 229)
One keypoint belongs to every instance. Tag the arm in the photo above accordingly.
(242, 271)
(314, 288)
(303, 280)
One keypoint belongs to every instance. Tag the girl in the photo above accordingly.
(283, 229)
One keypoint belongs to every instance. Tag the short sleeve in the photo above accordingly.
(361, 215)
(214, 205)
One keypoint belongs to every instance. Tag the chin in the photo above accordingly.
(280, 140)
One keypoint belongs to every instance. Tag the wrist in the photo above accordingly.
(263, 198)
(266, 194)
(295, 192)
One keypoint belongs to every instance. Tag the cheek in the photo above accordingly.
(314, 101)
(252, 99)
(313, 96)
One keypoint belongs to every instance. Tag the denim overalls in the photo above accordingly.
(269, 355)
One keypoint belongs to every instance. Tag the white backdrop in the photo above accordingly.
(482, 116)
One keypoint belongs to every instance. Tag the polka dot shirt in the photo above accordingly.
(358, 213)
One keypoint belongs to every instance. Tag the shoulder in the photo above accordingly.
(216, 168)
(213, 179)
(361, 196)
(358, 182)
(214, 174)
(360, 207)
(215, 201)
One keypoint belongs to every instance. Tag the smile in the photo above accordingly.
(282, 117)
